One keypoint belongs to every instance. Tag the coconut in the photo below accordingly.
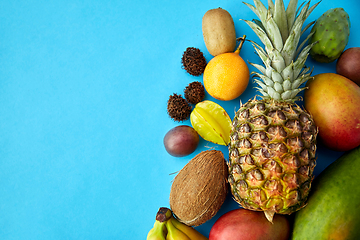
(200, 188)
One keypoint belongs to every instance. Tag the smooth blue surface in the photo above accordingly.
(83, 92)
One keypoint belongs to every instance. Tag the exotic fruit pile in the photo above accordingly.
(273, 141)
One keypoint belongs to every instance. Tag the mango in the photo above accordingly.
(333, 101)
(246, 224)
(333, 205)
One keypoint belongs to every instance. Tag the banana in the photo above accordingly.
(157, 232)
(174, 233)
(167, 227)
(189, 231)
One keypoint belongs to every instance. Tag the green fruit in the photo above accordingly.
(333, 206)
(332, 32)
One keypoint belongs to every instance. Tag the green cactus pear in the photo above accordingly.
(332, 31)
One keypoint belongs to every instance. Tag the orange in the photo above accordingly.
(226, 76)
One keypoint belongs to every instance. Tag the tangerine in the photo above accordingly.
(227, 75)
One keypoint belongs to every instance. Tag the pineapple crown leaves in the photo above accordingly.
(283, 73)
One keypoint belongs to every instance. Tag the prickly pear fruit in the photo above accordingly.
(332, 31)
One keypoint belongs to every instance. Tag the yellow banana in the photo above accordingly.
(174, 233)
(189, 231)
(158, 232)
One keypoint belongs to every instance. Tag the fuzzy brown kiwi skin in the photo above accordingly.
(200, 188)
(218, 31)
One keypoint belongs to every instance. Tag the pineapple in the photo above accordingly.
(273, 140)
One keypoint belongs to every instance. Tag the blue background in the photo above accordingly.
(83, 92)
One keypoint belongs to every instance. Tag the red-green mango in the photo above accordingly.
(334, 103)
(244, 224)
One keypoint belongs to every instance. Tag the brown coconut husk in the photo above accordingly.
(200, 188)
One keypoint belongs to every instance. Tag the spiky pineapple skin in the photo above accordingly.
(332, 31)
(272, 156)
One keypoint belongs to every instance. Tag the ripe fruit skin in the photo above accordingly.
(218, 31)
(333, 101)
(348, 64)
(333, 207)
(181, 141)
(249, 225)
(226, 76)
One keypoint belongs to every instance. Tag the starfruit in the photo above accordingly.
(211, 122)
